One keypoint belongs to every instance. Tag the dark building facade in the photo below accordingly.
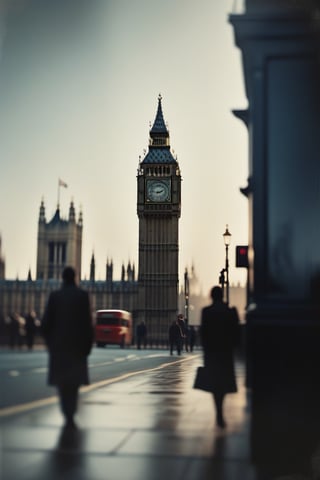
(280, 46)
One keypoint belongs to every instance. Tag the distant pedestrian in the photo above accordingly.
(175, 337)
(184, 332)
(14, 330)
(192, 337)
(219, 336)
(30, 329)
(141, 333)
(68, 332)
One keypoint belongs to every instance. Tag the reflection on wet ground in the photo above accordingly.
(150, 426)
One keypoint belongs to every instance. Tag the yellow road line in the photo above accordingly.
(24, 407)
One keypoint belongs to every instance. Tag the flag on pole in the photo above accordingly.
(62, 183)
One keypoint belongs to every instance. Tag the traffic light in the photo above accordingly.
(242, 256)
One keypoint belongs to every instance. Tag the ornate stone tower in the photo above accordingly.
(59, 244)
(158, 208)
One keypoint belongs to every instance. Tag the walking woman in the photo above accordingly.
(219, 335)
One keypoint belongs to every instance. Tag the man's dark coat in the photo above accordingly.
(68, 332)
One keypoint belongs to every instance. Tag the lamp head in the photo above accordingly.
(227, 237)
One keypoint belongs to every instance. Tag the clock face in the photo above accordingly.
(158, 190)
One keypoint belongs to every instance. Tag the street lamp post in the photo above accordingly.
(186, 295)
(227, 239)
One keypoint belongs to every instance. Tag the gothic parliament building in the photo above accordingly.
(151, 294)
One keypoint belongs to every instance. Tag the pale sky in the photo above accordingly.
(79, 83)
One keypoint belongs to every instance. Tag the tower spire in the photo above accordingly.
(159, 125)
(159, 134)
(159, 142)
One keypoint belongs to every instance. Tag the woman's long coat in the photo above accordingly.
(68, 332)
(219, 335)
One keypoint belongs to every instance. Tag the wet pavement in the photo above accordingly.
(149, 426)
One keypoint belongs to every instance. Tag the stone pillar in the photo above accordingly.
(279, 41)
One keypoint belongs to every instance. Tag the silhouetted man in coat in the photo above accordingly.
(68, 332)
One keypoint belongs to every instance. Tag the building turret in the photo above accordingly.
(133, 272)
(92, 268)
(72, 212)
(130, 272)
(59, 244)
(109, 271)
(42, 213)
(123, 273)
(80, 221)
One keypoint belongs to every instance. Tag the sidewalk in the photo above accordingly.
(150, 426)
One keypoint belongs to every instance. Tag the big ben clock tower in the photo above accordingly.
(158, 208)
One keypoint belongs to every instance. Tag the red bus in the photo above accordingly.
(113, 327)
